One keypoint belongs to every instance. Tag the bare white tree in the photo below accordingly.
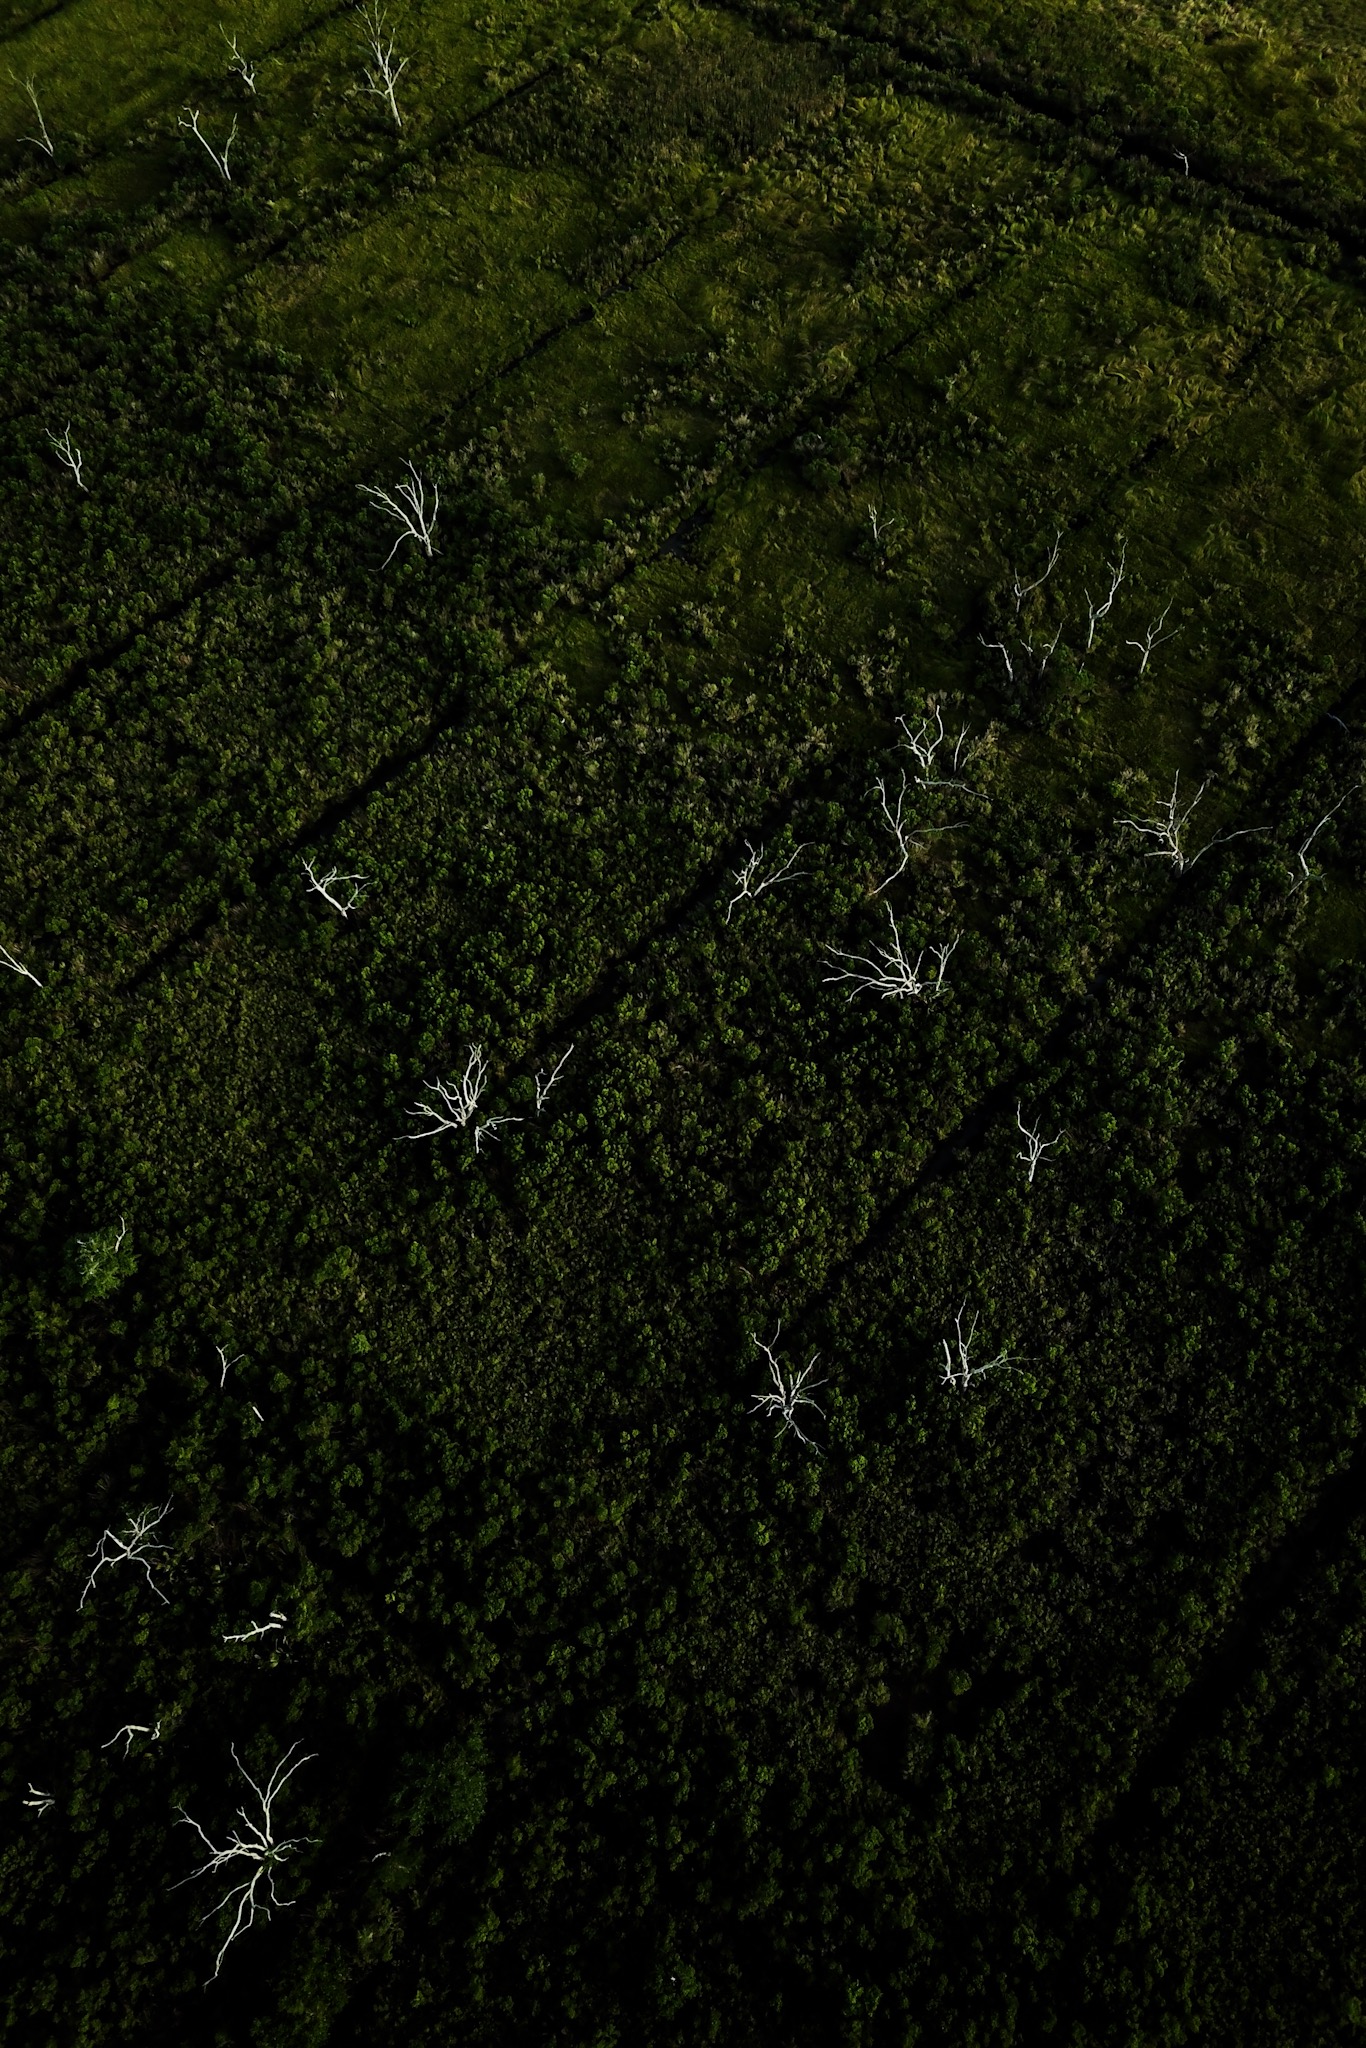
(903, 832)
(789, 1392)
(1041, 660)
(1020, 591)
(491, 1128)
(959, 1371)
(255, 1847)
(543, 1088)
(1183, 160)
(256, 1629)
(7, 959)
(227, 1363)
(67, 454)
(999, 647)
(879, 525)
(1095, 612)
(128, 1731)
(42, 140)
(924, 743)
(39, 1801)
(1153, 636)
(237, 63)
(355, 885)
(1034, 1144)
(1308, 874)
(747, 891)
(379, 45)
(456, 1101)
(408, 505)
(220, 157)
(135, 1547)
(1167, 828)
(892, 974)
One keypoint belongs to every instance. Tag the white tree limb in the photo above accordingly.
(7, 959)
(42, 140)
(355, 885)
(456, 1101)
(1308, 874)
(256, 1847)
(1168, 825)
(491, 1127)
(1035, 1145)
(237, 62)
(39, 1801)
(959, 1371)
(226, 1362)
(1020, 591)
(1153, 636)
(66, 453)
(133, 1548)
(893, 974)
(1097, 612)
(220, 157)
(407, 504)
(790, 1391)
(382, 80)
(256, 1629)
(128, 1731)
(543, 1088)
(924, 743)
(746, 891)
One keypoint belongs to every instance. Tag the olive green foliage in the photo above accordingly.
(762, 354)
(101, 1261)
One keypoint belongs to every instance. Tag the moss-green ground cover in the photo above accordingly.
(761, 355)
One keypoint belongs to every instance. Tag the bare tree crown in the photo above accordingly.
(789, 1392)
(255, 1851)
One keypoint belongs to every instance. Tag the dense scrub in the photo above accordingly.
(759, 355)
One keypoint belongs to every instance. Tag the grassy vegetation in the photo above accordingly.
(761, 355)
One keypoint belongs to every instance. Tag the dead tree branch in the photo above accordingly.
(381, 81)
(456, 1101)
(133, 1548)
(408, 505)
(746, 891)
(790, 1391)
(892, 974)
(67, 453)
(256, 1847)
(1167, 828)
(1035, 1146)
(219, 157)
(543, 1088)
(323, 886)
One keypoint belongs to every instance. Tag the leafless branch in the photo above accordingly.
(746, 891)
(39, 1801)
(382, 80)
(1153, 636)
(892, 973)
(42, 140)
(133, 1548)
(1020, 591)
(226, 1362)
(408, 505)
(790, 1391)
(999, 647)
(1035, 1145)
(7, 959)
(323, 886)
(237, 62)
(959, 1371)
(128, 1731)
(256, 1847)
(1097, 612)
(66, 453)
(220, 157)
(543, 1088)
(256, 1629)
(924, 743)
(456, 1101)
(1308, 874)
(1168, 825)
